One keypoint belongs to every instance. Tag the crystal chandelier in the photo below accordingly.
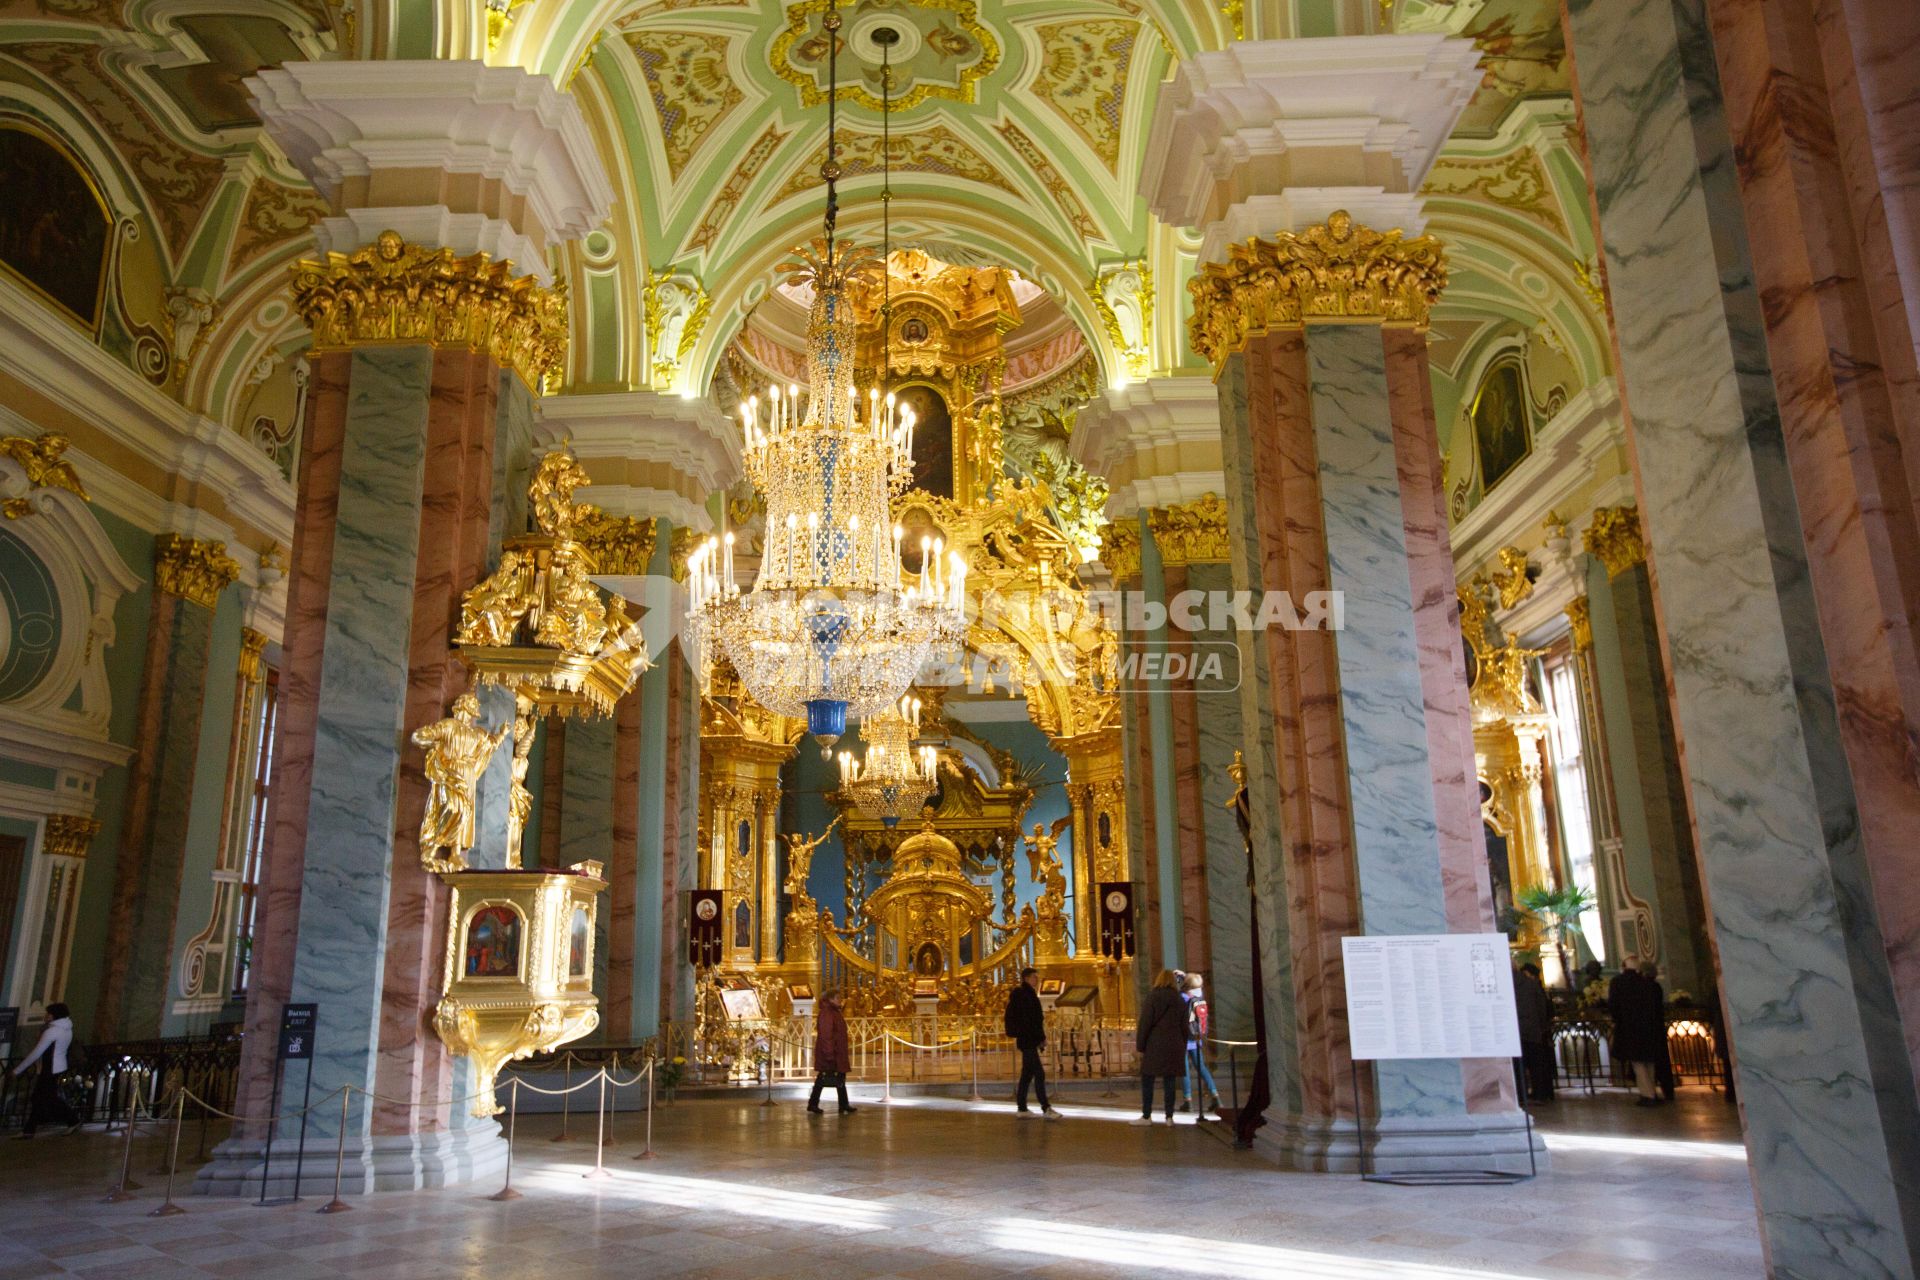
(895, 778)
(833, 627)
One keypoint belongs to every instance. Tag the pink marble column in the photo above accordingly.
(455, 501)
(1823, 104)
(1309, 752)
(1436, 606)
(676, 839)
(309, 573)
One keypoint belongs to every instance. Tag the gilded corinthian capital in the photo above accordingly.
(68, 835)
(1120, 548)
(394, 293)
(1192, 533)
(1338, 270)
(1614, 536)
(192, 568)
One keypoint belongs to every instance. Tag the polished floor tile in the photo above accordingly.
(930, 1189)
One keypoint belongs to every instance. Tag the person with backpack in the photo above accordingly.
(1026, 1025)
(47, 1103)
(1195, 996)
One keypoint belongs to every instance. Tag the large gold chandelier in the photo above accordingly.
(833, 627)
(895, 778)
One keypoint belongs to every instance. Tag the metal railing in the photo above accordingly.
(110, 1075)
(1583, 1051)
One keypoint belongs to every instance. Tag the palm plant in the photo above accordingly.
(1557, 912)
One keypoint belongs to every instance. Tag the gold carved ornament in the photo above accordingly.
(1511, 582)
(620, 545)
(1580, 615)
(1614, 536)
(1192, 533)
(1337, 270)
(40, 458)
(252, 645)
(458, 750)
(68, 835)
(192, 568)
(396, 293)
(537, 624)
(1120, 549)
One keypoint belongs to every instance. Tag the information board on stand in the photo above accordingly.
(1446, 995)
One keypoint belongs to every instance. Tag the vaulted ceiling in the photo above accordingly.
(1017, 133)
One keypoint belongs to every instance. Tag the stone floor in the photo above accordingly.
(929, 1188)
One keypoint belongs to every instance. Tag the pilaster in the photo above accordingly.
(188, 575)
(1657, 857)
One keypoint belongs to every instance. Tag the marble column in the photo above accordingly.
(1747, 572)
(1655, 828)
(1821, 108)
(654, 964)
(1192, 542)
(189, 575)
(408, 445)
(1358, 738)
(1207, 734)
(587, 819)
(623, 869)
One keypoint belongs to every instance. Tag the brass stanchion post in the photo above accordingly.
(566, 1101)
(886, 1053)
(974, 1037)
(599, 1169)
(768, 1068)
(167, 1207)
(647, 1153)
(506, 1191)
(124, 1189)
(337, 1205)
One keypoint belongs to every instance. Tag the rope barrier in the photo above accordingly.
(178, 1095)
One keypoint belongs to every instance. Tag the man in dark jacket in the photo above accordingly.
(1026, 1023)
(1534, 1008)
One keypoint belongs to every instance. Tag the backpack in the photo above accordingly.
(76, 1059)
(1197, 1018)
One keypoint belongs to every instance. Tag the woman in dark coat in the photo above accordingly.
(832, 1057)
(1639, 1010)
(1162, 1042)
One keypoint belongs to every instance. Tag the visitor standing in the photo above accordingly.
(1026, 1023)
(1638, 1007)
(1198, 1021)
(832, 1055)
(46, 1103)
(1161, 1040)
(1534, 1008)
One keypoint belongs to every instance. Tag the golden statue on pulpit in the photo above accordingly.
(458, 749)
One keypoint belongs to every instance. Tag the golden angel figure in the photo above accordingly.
(800, 857)
(458, 749)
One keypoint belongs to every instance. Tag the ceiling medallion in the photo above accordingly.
(943, 51)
